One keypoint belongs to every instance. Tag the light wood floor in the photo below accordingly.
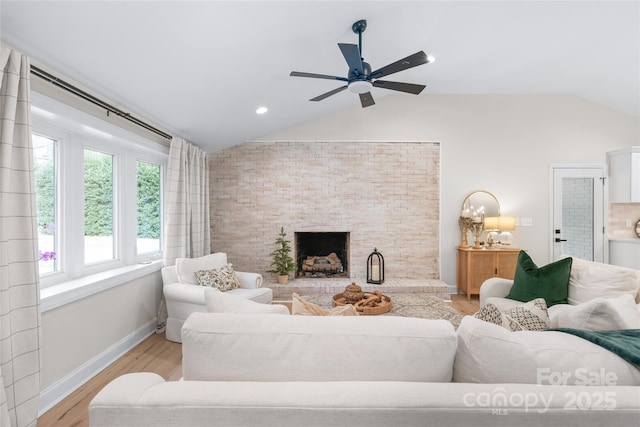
(155, 354)
(464, 307)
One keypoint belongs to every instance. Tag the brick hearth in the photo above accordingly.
(302, 286)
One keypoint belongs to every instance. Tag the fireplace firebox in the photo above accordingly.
(321, 254)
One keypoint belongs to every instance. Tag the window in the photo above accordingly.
(44, 169)
(98, 207)
(98, 194)
(149, 218)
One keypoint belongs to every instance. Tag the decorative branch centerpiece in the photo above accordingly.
(465, 225)
(473, 221)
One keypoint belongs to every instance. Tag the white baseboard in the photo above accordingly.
(57, 391)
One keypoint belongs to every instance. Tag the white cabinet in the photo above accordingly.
(624, 175)
(625, 252)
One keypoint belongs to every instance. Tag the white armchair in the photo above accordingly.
(184, 296)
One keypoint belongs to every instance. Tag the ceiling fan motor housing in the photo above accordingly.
(365, 75)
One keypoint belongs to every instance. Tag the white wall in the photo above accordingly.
(504, 144)
(82, 336)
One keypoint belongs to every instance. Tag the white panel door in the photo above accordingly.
(578, 213)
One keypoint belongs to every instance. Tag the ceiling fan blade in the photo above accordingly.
(316, 76)
(410, 61)
(328, 94)
(351, 53)
(366, 99)
(399, 86)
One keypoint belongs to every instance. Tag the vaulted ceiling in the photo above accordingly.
(201, 68)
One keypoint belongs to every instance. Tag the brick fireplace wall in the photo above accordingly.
(385, 194)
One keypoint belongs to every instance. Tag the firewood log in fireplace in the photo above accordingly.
(329, 262)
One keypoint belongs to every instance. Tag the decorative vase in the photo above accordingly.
(464, 228)
(283, 279)
(353, 293)
(477, 229)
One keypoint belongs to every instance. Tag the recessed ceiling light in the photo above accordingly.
(262, 110)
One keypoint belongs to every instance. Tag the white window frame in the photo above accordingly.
(76, 131)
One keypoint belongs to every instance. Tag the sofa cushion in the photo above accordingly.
(599, 314)
(488, 353)
(591, 280)
(262, 295)
(186, 267)
(223, 302)
(261, 347)
(550, 282)
(224, 279)
(531, 316)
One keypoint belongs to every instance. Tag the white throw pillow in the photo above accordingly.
(590, 280)
(599, 314)
(186, 267)
(221, 302)
(488, 353)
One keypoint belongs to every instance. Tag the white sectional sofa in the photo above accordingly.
(596, 290)
(274, 370)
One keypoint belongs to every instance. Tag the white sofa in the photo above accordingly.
(593, 286)
(275, 370)
(183, 294)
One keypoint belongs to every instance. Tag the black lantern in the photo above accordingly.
(375, 268)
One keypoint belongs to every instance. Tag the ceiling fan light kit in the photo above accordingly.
(360, 86)
(360, 79)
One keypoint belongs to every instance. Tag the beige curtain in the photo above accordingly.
(19, 293)
(187, 228)
(187, 233)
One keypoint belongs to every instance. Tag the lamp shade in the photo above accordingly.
(491, 223)
(506, 223)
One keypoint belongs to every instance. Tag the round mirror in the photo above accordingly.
(482, 203)
(638, 228)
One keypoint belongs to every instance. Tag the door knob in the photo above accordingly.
(558, 240)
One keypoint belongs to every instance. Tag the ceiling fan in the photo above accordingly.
(361, 79)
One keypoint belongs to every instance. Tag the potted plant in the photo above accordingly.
(282, 262)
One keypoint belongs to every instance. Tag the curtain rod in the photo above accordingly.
(96, 101)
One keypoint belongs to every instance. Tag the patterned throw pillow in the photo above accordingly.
(224, 278)
(532, 316)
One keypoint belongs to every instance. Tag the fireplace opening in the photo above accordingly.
(322, 254)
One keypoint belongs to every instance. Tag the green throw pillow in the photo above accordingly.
(550, 282)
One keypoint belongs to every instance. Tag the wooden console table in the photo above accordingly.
(477, 265)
